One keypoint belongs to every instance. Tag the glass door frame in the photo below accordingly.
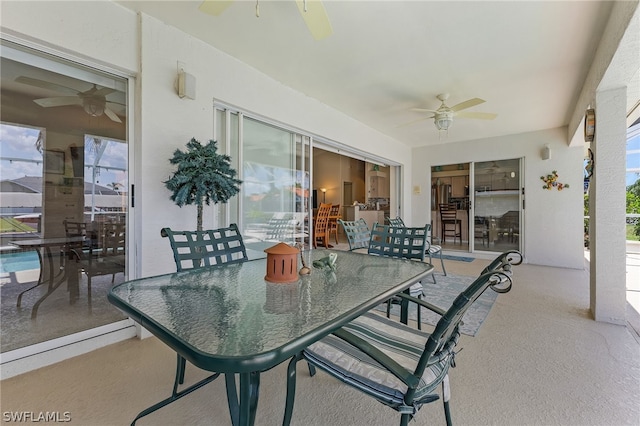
(521, 205)
(49, 351)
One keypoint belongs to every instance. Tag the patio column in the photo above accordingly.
(607, 206)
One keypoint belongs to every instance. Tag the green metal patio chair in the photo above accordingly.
(357, 232)
(395, 222)
(431, 249)
(191, 250)
(194, 249)
(400, 242)
(397, 365)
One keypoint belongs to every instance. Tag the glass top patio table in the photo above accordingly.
(228, 319)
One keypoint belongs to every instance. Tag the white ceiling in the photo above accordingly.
(528, 60)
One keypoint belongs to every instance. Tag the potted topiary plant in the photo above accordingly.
(203, 176)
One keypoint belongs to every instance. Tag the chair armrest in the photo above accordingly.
(84, 254)
(387, 362)
(506, 258)
(422, 303)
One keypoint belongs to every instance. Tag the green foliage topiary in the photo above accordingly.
(203, 176)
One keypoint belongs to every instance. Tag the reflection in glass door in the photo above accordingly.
(64, 183)
(273, 163)
(496, 207)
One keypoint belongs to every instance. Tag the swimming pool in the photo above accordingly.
(20, 261)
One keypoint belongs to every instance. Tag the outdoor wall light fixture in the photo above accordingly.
(185, 83)
(546, 152)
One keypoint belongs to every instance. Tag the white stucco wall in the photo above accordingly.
(100, 31)
(553, 233)
(168, 122)
(148, 49)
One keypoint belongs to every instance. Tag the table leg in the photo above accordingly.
(40, 280)
(243, 411)
(291, 389)
(69, 274)
(404, 308)
(232, 397)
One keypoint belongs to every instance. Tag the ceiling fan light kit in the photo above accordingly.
(443, 121)
(93, 101)
(93, 107)
(443, 116)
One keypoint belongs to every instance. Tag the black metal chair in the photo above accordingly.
(450, 224)
(191, 250)
(357, 232)
(397, 365)
(481, 230)
(431, 249)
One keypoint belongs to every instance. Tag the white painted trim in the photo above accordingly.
(40, 355)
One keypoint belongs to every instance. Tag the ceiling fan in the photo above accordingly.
(312, 11)
(443, 116)
(93, 101)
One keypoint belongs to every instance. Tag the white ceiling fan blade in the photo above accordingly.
(215, 7)
(104, 91)
(46, 85)
(112, 115)
(58, 101)
(316, 18)
(424, 110)
(479, 115)
(414, 122)
(467, 104)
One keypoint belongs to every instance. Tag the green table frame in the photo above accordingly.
(229, 320)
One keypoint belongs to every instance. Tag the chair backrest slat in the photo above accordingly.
(113, 239)
(195, 249)
(358, 233)
(398, 241)
(280, 229)
(322, 218)
(448, 212)
(395, 222)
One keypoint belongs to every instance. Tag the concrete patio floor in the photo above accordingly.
(538, 359)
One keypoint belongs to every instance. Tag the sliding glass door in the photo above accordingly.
(497, 205)
(64, 172)
(273, 163)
